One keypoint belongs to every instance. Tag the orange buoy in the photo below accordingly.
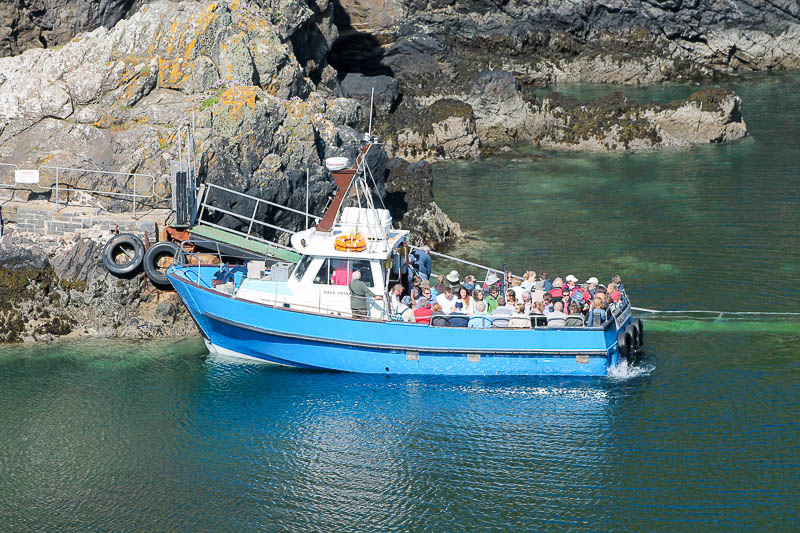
(350, 243)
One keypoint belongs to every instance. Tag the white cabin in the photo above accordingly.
(319, 281)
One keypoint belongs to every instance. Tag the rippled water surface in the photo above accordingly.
(701, 435)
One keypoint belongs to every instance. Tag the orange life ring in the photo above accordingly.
(350, 243)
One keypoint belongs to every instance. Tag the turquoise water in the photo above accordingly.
(702, 435)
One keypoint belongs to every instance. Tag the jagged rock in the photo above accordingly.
(625, 41)
(51, 289)
(409, 188)
(498, 111)
(360, 87)
(112, 99)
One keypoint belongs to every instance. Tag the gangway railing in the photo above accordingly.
(250, 219)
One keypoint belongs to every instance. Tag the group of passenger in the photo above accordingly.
(512, 302)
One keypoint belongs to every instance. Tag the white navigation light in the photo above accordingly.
(337, 163)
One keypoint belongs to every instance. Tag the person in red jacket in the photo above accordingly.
(422, 314)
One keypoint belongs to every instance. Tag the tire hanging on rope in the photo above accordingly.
(157, 260)
(624, 344)
(123, 254)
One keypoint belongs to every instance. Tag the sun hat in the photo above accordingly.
(492, 278)
(592, 280)
(453, 276)
(425, 284)
(572, 278)
(406, 300)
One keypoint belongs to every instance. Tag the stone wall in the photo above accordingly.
(71, 222)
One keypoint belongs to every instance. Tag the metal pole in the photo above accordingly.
(371, 98)
(252, 219)
(307, 191)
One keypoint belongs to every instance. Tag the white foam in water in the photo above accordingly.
(624, 370)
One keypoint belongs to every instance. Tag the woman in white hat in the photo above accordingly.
(453, 278)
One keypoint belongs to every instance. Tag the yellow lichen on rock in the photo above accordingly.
(236, 98)
(171, 74)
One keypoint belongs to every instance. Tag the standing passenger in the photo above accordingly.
(358, 296)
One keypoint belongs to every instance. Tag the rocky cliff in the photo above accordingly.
(430, 42)
(254, 82)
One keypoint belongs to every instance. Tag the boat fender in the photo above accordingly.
(638, 327)
(350, 243)
(632, 332)
(624, 344)
(122, 243)
(156, 260)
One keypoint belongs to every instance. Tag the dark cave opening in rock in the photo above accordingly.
(355, 51)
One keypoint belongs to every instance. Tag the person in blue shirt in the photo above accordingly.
(422, 261)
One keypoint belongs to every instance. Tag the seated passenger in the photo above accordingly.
(613, 292)
(416, 283)
(491, 300)
(491, 281)
(546, 284)
(502, 309)
(447, 300)
(597, 312)
(469, 283)
(422, 314)
(547, 303)
(618, 281)
(571, 282)
(520, 319)
(528, 281)
(438, 318)
(591, 287)
(394, 296)
(454, 280)
(458, 318)
(403, 312)
(511, 300)
(465, 300)
(557, 319)
(575, 318)
(537, 308)
(480, 319)
(557, 292)
(426, 294)
(477, 296)
(526, 301)
(516, 286)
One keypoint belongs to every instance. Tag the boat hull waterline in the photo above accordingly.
(237, 327)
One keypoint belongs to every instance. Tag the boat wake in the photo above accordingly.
(625, 370)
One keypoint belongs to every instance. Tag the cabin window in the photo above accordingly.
(364, 267)
(339, 272)
(302, 266)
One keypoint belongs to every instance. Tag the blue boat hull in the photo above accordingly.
(306, 340)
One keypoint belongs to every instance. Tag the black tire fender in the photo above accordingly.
(638, 327)
(152, 259)
(624, 344)
(629, 329)
(116, 244)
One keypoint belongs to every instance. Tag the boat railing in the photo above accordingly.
(206, 207)
(458, 260)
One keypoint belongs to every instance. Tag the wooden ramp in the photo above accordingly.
(239, 242)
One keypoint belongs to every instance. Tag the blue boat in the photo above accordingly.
(299, 314)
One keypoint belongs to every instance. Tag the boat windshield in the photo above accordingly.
(302, 266)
